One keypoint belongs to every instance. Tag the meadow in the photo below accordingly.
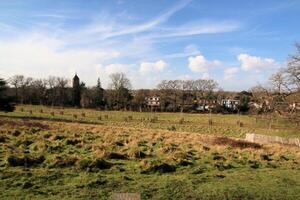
(50, 153)
(232, 125)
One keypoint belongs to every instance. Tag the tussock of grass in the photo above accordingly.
(25, 161)
(154, 166)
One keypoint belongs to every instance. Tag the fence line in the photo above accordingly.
(252, 137)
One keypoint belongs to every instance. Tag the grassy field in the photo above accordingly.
(168, 156)
(225, 125)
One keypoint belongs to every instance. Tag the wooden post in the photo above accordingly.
(210, 122)
(271, 121)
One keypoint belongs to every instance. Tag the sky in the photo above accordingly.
(237, 43)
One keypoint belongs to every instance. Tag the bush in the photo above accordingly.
(6, 103)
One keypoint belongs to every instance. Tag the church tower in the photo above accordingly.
(76, 91)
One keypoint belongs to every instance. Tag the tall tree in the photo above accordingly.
(5, 101)
(99, 96)
(16, 82)
(293, 69)
(76, 91)
(120, 85)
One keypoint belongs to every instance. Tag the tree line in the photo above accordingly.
(282, 89)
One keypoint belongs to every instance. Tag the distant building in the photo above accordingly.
(152, 101)
(76, 91)
(230, 103)
(205, 104)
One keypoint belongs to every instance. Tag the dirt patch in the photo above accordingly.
(23, 122)
(235, 143)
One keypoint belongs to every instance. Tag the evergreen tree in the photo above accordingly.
(99, 94)
(5, 102)
(76, 91)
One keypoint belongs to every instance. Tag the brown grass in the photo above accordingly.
(23, 122)
(235, 143)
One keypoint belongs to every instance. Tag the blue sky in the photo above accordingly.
(237, 43)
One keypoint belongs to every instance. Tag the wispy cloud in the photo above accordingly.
(115, 30)
(196, 28)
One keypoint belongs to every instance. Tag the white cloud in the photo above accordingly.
(157, 66)
(117, 68)
(41, 56)
(201, 64)
(249, 62)
(230, 72)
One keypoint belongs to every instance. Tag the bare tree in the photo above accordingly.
(39, 87)
(16, 81)
(120, 85)
(61, 89)
(293, 69)
(278, 82)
